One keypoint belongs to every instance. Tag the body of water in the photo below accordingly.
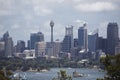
(93, 74)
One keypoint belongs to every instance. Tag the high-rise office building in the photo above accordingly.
(75, 49)
(36, 37)
(83, 38)
(2, 48)
(49, 49)
(112, 37)
(53, 51)
(69, 32)
(8, 45)
(68, 42)
(93, 41)
(5, 35)
(40, 49)
(28, 44)
(20, 46)
(57, 48)
(75, 42)
(117, 49)
(102, 44)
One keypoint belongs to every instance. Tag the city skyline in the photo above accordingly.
(21, 18)
(26, 41)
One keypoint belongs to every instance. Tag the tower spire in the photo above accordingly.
(51, 25)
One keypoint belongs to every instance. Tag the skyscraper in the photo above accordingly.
(57, 48)
(68, 42)
(112, 38)
(69, 32)
(93, 41)
(40, 49)
(36, 37)
(2, 48)
(53, 50)
(28, 44)
(83, 37)
(49, 49)
(75, 42)
(20, 46)
(8, 45)
(102, 44)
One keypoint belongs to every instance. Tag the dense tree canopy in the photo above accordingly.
(112, 66)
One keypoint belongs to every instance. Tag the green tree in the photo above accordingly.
(112, 66)
(3, 77)
(62, 75)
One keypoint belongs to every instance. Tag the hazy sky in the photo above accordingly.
(22, 17)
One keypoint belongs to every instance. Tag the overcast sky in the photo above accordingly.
(22, 17)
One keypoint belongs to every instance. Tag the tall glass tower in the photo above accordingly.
(20, 46)
(36, 37)
(68, 42)
(112, 37)
(93, 41)
(83, 37)
(8, 45)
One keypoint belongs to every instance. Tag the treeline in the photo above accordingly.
(24, 65)
(15, 63)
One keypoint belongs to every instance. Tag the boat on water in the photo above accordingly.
(69, 68)
(101, 70)
(76, 74)
(43, 70)
(18, 76)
